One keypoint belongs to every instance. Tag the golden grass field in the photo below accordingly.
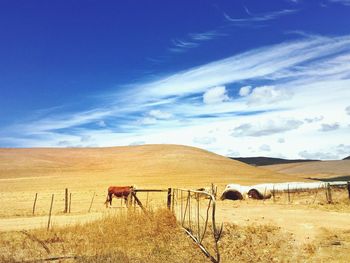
(24, 172)
(282, 231)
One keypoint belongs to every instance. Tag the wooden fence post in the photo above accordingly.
(66, 201)
(288, 195)
(173, 201)
(349, 188)
(169, 198)
(92, 200)
(273, 193)
(134, 197)
(36, 197)
(49, 221)
(129, 200)
(70, 202)
(329, 194)
(213, 191)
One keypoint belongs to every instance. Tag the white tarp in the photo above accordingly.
(280, 187)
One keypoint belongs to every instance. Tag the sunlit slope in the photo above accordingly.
(157, 165)
(324, 169)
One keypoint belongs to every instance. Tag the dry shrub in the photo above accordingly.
(130, 238)
(258, 243)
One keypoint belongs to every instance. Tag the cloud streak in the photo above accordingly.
(253, 18)
(248, 97)
(193, 40)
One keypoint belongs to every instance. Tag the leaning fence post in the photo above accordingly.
(49, 221)
(130, 199)
(92, 200)
(168, 204)
(349, 188)
(36, 197)
(147, 200)
(66, 201)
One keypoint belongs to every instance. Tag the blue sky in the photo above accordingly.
(239, 78)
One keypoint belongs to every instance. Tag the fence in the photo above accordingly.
(327, 194)
(195, 210)
(31, 203)
(292, 193)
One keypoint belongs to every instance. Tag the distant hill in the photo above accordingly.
(347, 158)
(260, 161)
(333, 170)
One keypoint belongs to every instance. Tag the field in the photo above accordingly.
(303, 228)
(333, 170)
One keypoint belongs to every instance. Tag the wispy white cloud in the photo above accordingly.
(147, 121)
(291, 83)
(314, 119)
(251, 18)
(102, 123)
(205, 36)
(183, 44)
(325, 127)
(161, 115)
(268, 95)
(193, 40)
(266, 128)
(245, 91)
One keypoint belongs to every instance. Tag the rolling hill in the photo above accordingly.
(320, 169)
(156, 165)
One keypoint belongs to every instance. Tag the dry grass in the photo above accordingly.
(315, 199)
(131, 238)
(146, 164)
(157, 238)
(259, 243)
(23, 172)
(332, 246)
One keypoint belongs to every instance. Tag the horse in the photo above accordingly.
(118, 192)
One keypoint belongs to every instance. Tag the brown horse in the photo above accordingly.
(118, 192)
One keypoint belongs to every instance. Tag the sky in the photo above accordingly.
(238, 78)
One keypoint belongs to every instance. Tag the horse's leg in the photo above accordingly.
(110, 199)
(107, 200)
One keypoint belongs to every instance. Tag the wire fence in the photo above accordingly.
(323, 195)
(319, 193)
(195, 211)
